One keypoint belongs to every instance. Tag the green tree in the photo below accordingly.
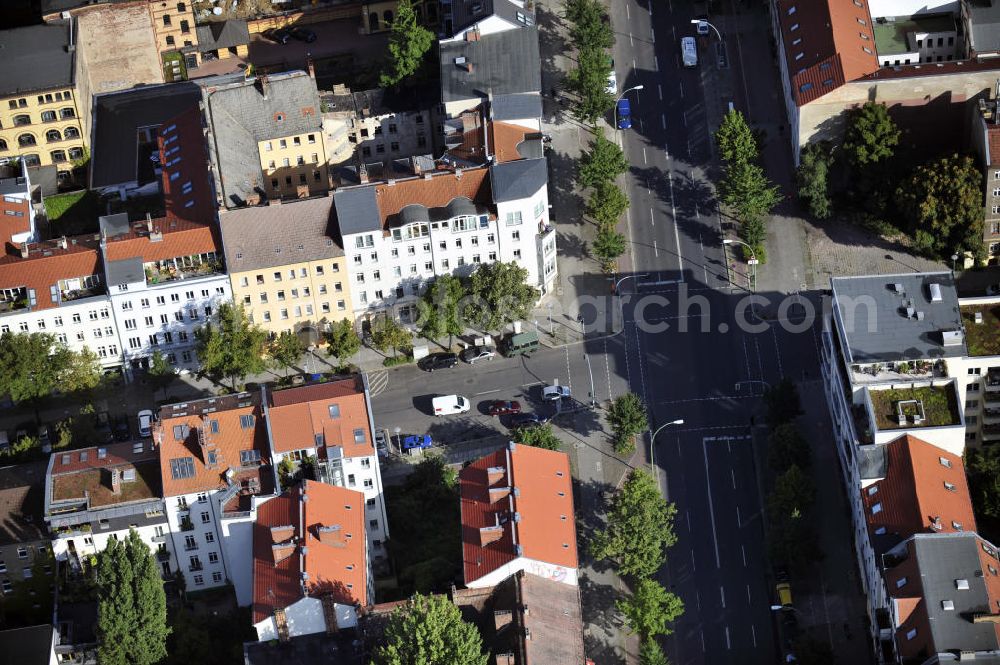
(943, 201)
(589, 80)
(342, 340)
(788, 447)
(608, 245)
(812, 178)
(388, 334)
(793, 541)
(409, 43)
(640, 527)
(285, 350)
(607, 203)
(747, 190)
(539, 436)
(650, 653)
(650, 608)
(604, 162)
(983, 468)
(627, 417)
(735, 140)
(793, 495)
(430, 629)
(439, 311)
(131, 604)
(80, 371)
(871, 135)
(160, 372)
(501, 295)
(782, 402)
(31, 366)
(230, 346)
(589, 25)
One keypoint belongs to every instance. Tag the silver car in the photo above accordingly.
(472, 354)
(555, 393)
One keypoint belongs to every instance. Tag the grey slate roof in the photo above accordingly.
(35, 58)
(518, 179)
(517, 107)
(27, 645)
(114, 225)
(276, 235)
(22, 503)
(357, 210)
(944, 558)
(466, 13)
(15, 185)
(222, 34)
(984, 15)
(875, 320)
(117, 118)
(125, 271)
(241, 115)
(504, 63)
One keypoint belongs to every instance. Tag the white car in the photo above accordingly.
(145, 423)
(612, 86)
(554, 393)
(472, 354)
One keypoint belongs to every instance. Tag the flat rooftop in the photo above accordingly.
(982, 339)
(936, 405)
(898, 317)
(95, 485)
(894, 35)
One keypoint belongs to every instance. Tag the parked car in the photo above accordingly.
(102, 425)
(44, 439)
(446, 405)
(122, 430)
(624, 114)
(612, 85)
(555, 393)
(503, 408)
(417, 441)
(689, 52)
(702, 25)
(438, 361)
(278, 35)
(474, 353)
(519, 420)
(304, 34)
(145, 418)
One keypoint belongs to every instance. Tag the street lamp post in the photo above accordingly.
(954, 257)
(624, 92)
(615, 290)
(753, 265)
(652, 446)
(699, 21)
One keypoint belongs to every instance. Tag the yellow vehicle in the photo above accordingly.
(784, 590)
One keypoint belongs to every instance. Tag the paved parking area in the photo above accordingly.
(338, 40)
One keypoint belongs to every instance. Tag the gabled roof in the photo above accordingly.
(433, 190)
(22, 503)
(222, 34)
(280, 234)
(48, 262)
(203, 441)
(310, 540)
(522, 106)
(824, 46)
(36, 57)
(302, 417)
(517, 502)
(518, 179)
(502, 63)
(357, 210)
(168, 239)
(914, 496)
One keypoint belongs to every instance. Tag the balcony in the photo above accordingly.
(185, 267)
(195, 567)
(993, 380)
(187, 524)
(190, 547)
(13, 300)
(162, 554)
(896, 372)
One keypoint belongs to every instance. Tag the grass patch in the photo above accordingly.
(940, 406)
(397, 360)
(983, 339)
(74, 213)
(169, 59)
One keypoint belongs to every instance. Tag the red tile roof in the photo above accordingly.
(434, 191)
(505, 140)
(179, 238)
(532, 484)
(993, 138)
(326, 541)
(181, 427)
(914, 497)
(297, 415)
(86, 474)
(47, 263)
(830, 49)
(187, 193)
(12, 224)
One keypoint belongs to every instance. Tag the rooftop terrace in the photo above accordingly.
(95, 485)
(924, 406)
(982, 339)
(892, 36)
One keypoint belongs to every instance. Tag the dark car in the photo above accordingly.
(102, 425)
(122, 430)
(417, 441)
(278, 35)
(519, 420)
(504, 408)
(304, 35)
(438, 361)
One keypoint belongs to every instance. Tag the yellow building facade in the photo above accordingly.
(173, 24)
(294, 166)
(42, 127)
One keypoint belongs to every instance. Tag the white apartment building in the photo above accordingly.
(216, 467)
(94, 494)
(401, 234)
(332, 422)
(167, 277)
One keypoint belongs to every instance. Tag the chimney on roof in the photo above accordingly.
(984, 617)
(281, 551)
(24, 250)
(331, 535)
(265, 85)
(472, 35)
(149, 223)
(116, 481)
(363, 174)
(311, 68)
(61, 242)
(415, 165)
(280, 534)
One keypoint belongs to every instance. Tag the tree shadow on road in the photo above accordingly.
(601, 619)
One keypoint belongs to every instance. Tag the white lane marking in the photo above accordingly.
(728, 643)
(656, 64)
(487, 392)
(663, 120)
(673, 32)
(744, 551)
(753, 634)
(684, 117)
(732, 474)
(659, 89)
(702, 641)
(697, 599)
(760, 362)
(607, 366)
(652, 36)
(644, 156)
(739, 519)
(681, 86)
(704, 266)
(746, 357)
(711, 508)
(722, 595)
(627, 15)
(651, 217)
(748, 596)
(633, 65)
(642, 373)
(677, 234)
(777, 353)
(666, 149)
(693, 566)
(687, 515)
(656, 249)
(651, 9)
(631, 41)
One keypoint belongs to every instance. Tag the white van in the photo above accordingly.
(689, 52)
(447, 405)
